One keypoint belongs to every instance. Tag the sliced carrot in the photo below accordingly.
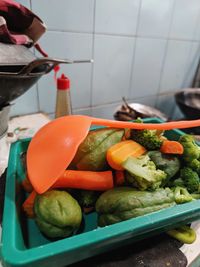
(29, 204)
(127, 134)
(171, 147)
(119, 152)
(88, 180)
(119, 178)
(27, 185)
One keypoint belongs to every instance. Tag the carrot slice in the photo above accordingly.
(119, 178)
(88, 180)
(171, 147)
(119, 152)
(28, 205)
(27, 185)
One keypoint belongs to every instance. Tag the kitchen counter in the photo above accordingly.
(26, 126)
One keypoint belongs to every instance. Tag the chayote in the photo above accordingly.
(123, 203)
(58, 214)
(91, 154)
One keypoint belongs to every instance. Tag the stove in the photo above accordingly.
(4, 117)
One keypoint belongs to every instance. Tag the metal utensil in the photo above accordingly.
(132, 111)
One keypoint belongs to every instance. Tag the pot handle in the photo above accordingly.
(51, 62)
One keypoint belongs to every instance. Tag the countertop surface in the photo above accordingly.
(146, 253)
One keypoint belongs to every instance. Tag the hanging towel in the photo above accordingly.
(18, 24)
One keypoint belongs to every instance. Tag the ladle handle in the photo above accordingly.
(46, 60)
(150, 126)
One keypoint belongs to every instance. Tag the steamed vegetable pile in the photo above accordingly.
(120, 174)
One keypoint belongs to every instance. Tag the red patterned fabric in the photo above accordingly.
(19, 25)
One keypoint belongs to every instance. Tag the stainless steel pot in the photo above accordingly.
(132, 111)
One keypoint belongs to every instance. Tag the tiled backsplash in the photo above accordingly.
(144, 50)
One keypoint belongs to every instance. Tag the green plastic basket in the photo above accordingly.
(23, 244)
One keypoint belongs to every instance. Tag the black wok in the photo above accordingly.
(188, 101)
(16, 80)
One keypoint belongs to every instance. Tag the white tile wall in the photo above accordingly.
(66, 15)
(147, 67)
(166, 104)
(25, 3)
(177, 114)
(67, 45)
(197, 30)
(117, 16)
(192, 64)
(150, 100)
(112, 68)
(155, 17)
(83, 111)
(174, 71)
(80, 111)
(25, 104)
(185, 18)
(105, 111)
(142, 49)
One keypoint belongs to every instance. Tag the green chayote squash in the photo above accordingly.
(123, 203)
(91, 154)
(58, 214)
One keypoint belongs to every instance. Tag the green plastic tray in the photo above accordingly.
(23, 245)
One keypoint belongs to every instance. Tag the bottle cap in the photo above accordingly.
(63, 83)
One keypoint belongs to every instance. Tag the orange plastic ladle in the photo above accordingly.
(54, 146)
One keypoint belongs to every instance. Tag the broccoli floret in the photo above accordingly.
(191, 149)
(168, 163)
(191, 156)
(195, 165)
(177, 182)
(181, 195)
(150, 139)
(190, 178)
(143, 172)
